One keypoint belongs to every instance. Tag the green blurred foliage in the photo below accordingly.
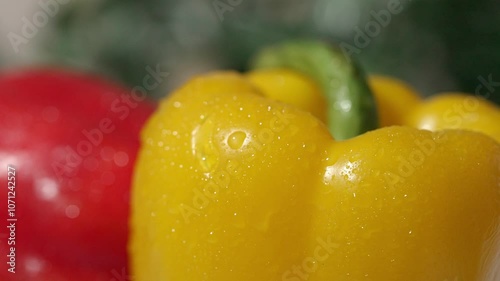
(441, 45)
(436, 45)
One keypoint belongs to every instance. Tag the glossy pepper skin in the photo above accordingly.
(456, 110)
(292, 88)
(401, 105)
(350, 103)
(394, 98)
(72, 188)
(232, 185)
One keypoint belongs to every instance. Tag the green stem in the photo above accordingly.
(351, 105)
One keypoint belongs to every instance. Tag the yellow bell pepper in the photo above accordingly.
(350, 105)
(236, 182)
(394, 99)
(400, 105)
(291, 87)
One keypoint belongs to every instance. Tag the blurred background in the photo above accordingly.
(435, 45)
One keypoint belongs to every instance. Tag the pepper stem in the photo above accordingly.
(351, 105)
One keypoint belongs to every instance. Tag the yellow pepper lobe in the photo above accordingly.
(281, 200)
(292, 88)
(457, 111)
(394, 99)
(398, 104)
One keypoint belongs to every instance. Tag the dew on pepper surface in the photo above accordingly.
(236, 139)
(46, 188)
(72, 211)
(121, 159)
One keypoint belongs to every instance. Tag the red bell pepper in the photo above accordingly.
(72, 140)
